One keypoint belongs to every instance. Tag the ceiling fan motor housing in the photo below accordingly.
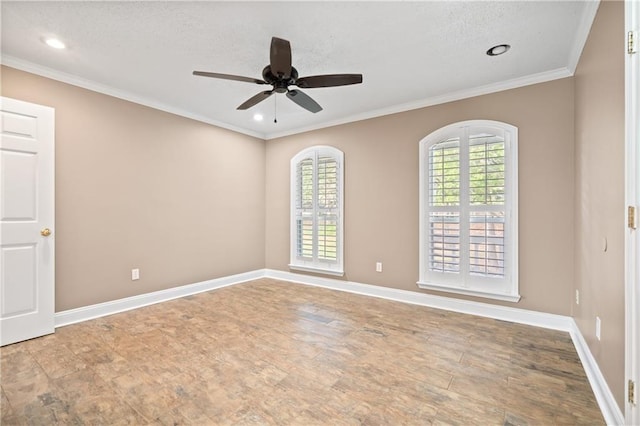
(280, 85)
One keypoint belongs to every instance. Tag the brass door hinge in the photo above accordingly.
(631, 42)
(631, 392)
(631, 217)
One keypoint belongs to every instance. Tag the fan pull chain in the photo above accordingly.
(275, 109)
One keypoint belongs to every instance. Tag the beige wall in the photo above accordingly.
(599, 90)
(381, 190)
(137, 187)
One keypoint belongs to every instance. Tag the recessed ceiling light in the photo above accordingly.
(498, 50)
(258, 117)
(55, 43)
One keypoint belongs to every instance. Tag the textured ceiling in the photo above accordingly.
(411, 54)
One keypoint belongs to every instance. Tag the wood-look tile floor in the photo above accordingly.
(270, 352)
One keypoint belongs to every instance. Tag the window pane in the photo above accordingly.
(327, 237)
(327, 182)
(444, 242)
(486, 170)
(486, 244)
(444, 173)
(304, 183)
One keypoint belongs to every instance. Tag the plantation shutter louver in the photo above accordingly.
(304, 209)
(327, 205)
(444, 202)
(486, 186)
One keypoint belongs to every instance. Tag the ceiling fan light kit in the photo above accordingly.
(280, 74)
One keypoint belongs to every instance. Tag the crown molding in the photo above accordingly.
(74, 80)
(515, 83)
(435, 100)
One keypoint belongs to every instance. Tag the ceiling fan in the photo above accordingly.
(280, 74)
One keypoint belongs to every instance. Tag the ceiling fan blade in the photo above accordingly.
(280, 57)
(328, 80)
(304, 101)
(229, 77)
(255, 99)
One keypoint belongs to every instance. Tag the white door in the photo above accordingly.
(26, 221)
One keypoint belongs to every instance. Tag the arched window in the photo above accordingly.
(316, 210)
(469, 210)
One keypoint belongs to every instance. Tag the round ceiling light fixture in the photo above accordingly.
(258, 117)
(498, 50)
(55, 43)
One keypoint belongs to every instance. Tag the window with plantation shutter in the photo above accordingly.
(468, 210)
(316, 210)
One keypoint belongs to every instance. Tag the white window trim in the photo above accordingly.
(337, 268)
(510, 290)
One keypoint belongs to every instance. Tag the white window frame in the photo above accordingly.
(317, 265)
(506, 288)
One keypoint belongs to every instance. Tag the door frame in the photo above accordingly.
(632, 198)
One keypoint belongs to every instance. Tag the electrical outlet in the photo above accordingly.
(378, 266)
(598, 327)
(577, 297)
(135, 274)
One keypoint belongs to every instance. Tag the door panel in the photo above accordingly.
(26, 208)
(19, 185)
(19, 265)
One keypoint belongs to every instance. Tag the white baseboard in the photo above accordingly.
(608, 405)
(505, 313)
(86, 313)
(606, 401)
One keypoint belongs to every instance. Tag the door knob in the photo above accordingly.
(45, 232)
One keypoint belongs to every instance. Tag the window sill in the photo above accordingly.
(333, 272)
(468, 292)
